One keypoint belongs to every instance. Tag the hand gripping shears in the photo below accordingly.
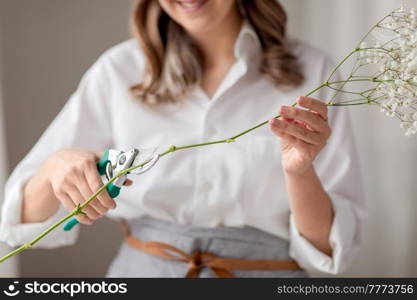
(115, 161)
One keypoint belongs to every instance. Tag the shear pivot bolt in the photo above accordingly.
(122, 159)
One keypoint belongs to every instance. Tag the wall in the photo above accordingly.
(9, 268)
(48, 45)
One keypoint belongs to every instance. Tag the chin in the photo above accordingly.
(197, 16)
(198, 26)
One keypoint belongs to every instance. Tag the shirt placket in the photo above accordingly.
(211, 130)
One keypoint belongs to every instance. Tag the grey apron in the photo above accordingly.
(227, 242)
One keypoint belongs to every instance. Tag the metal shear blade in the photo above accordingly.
(148, 157)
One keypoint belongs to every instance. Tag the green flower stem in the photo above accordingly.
(347, 104)
(76, 211)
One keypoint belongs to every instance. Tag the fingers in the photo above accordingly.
(86, 185)
(84, 219)
(284, 136)
(70, 206)
(87, 192)
(76, 179)
(315, 105)
(297, 131)
(313, 120)
(94, 181)
(78, 198)
(310, 126)
(288, 139)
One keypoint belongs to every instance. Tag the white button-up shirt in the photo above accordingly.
(235, 184)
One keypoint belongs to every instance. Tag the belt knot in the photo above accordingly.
(198, 260)
(195, 260)
(222, 267)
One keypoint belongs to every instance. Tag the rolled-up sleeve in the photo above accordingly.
(83, 123)
(338, 167)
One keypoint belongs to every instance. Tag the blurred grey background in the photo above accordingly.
(47, 45)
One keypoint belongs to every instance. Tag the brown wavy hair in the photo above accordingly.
(174, 63)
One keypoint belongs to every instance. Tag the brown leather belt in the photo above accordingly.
(222, 267)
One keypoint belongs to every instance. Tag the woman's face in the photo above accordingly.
(198, 16)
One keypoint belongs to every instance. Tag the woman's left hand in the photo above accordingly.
(303, 134)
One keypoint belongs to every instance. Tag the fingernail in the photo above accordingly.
(283, 109)
(275, 122)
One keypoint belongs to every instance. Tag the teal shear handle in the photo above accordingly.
(113, 190)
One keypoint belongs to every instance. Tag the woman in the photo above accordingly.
(289, 195)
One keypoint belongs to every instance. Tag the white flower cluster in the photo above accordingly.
(394, 50)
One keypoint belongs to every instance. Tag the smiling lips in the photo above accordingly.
(191, 5)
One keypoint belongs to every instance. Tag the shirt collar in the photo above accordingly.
(247, 50)
(247, 46)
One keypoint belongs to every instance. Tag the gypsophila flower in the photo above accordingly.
(391, 49)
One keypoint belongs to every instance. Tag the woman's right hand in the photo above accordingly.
(74, 178)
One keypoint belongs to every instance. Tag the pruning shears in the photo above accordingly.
(115, 161)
